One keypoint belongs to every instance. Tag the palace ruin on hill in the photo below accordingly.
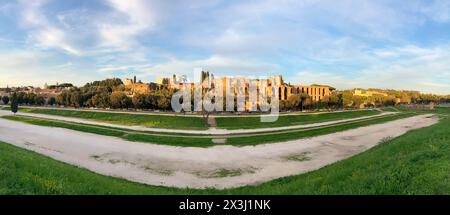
(285, 90)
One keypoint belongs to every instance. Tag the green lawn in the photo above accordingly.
(173, 141)
(415, 163)
(153, 121)
(304, 133)
(255, 122)
(389, 109)
(197, 123)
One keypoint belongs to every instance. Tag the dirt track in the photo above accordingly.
(211, 131)
(219, 166)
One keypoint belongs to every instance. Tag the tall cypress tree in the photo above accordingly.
(14, 103)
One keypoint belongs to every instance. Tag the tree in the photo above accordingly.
(405, 99)
(138, 101)
(204, 76)
(51, 101)
(293, 102)
(389, 101)
(5, 100)
(340, 102)
(105, 83)
(120, 100)
(76, 99)
(163, 99)
(39, 100)
(150, 101)
(64, 85)
(22, 98)
(303, 98)
(165, 81)
(31, 99)
(347, 98)
(330, 101)
(358, 101)
(308, 103)
(101, 100)
(62, 98)
(375, 100)
(14, 103)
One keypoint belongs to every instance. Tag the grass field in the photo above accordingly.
(415, 163)
(152, 121)
(389, 109)
(205, 141)
(198, 123)
(255, 122)
(304, 133)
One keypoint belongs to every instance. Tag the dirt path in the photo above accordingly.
(184, 114)
(211, 131)
(212, 121)
(219, 139)
(219, 166)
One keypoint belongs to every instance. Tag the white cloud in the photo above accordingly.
(308, 77)
(330, 42)
(130, 19)
(437, 10)
(43, 34)
(31, 13)
(52, 37)
(218, 65)
(409, 67)
(122, 68)
(65, 65)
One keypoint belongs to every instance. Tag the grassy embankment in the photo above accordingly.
(289, 120)
(415, 163)
(304, 133)
(197, 123)
(151, 121)
(389, 109)
(206, 141)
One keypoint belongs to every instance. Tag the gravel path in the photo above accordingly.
(218, 167)
(211, 131)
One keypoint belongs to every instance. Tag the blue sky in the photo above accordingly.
(378, 43)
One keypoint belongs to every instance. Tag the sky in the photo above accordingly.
(345, 44)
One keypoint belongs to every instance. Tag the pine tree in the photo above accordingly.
(14, 103)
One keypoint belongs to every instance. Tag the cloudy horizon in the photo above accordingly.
(345, 44)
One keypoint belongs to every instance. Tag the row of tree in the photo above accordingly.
(110, 93)
(347, 99)
(26, 99)
(117, 100)
(390, 98)
(302, 101)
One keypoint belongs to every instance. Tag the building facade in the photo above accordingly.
(315, 92)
